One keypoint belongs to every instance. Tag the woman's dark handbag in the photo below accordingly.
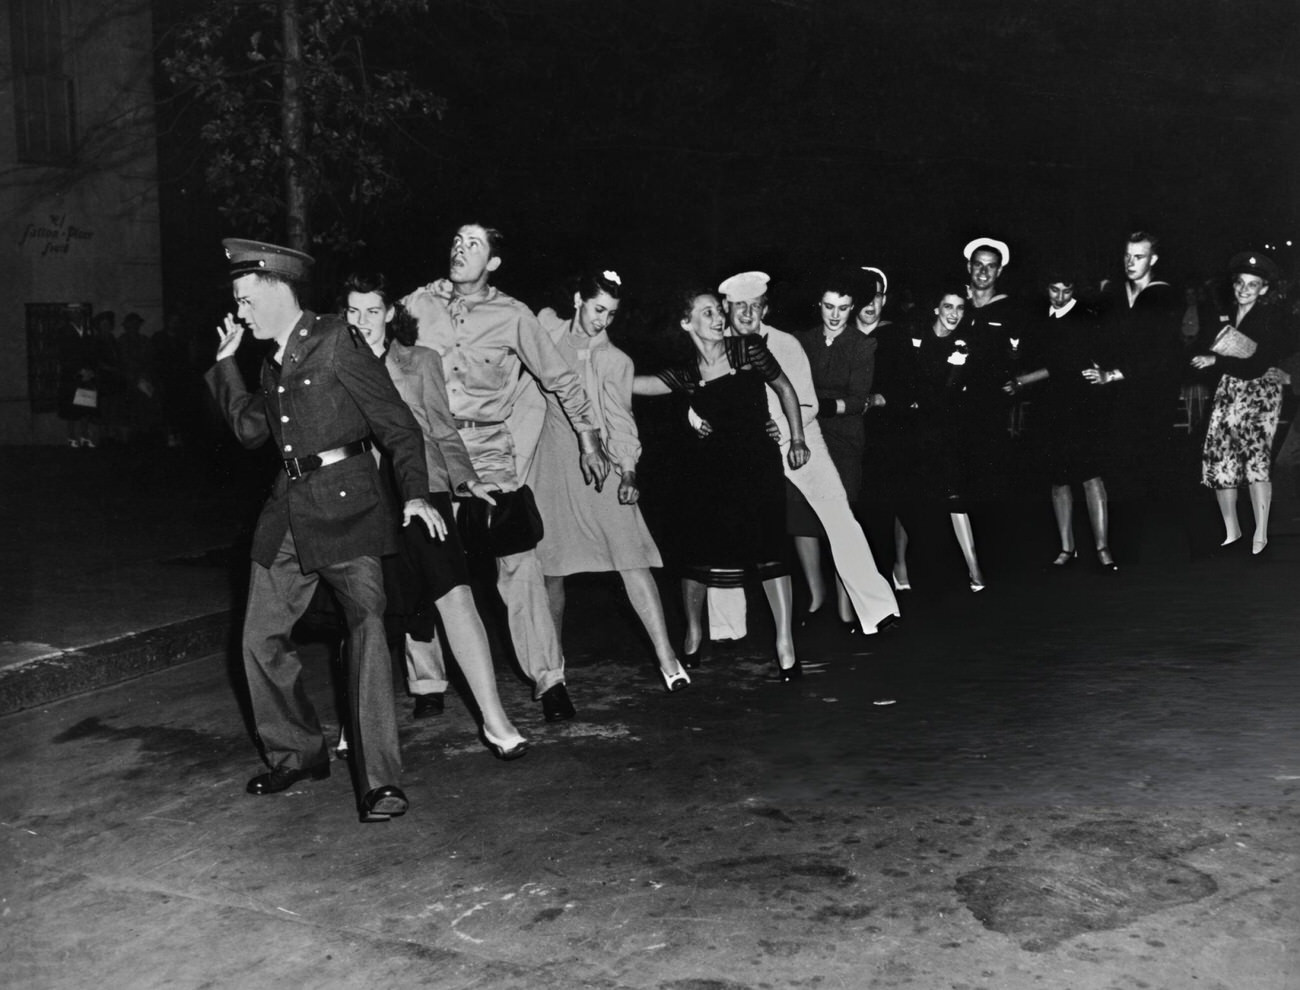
(513, 525)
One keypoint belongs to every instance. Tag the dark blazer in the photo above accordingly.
(1266, 325)
(330, 392)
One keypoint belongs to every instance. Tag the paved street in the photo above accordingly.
(1068, 781)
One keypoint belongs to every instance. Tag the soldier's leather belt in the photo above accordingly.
(469, 424)
(296, 467)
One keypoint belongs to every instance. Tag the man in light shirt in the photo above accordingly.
(488, 341)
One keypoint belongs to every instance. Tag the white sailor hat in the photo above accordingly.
(988, 242)
(877, 277)
(746, 285)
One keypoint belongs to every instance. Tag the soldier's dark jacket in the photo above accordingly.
(329, 391)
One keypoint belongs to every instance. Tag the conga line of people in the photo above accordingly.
(841, 435)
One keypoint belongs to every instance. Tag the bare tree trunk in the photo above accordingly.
(295, 195)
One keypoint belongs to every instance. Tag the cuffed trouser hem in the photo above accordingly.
(547, 681)
(528, 612)
(426, 671)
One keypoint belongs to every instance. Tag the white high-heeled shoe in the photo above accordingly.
(677, 681)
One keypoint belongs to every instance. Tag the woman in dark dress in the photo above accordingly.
(841, 357)
(950, 462)
(1251, 337)
(1070, 420)
(736, 526)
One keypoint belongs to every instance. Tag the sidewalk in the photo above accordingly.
(115, 562)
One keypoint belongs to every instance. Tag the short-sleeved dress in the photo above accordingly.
(736, 516)
(589, 530)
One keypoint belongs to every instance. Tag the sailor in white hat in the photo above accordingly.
(745, 298)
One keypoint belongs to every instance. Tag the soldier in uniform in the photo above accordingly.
(323, 395)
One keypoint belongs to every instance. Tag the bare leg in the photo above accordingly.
(901, 580)
(1063, 507)
(469, 642)
(966, 540)
(809, 551)
(693, 604)
(1094, 492)
(1227, 499)
(781, 600)
(1261, 500)
(644, 596)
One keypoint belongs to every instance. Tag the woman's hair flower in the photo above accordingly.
(610, 276)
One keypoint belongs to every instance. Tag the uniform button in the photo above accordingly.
(280, 389)
(288, 447)
(284, 419)
(306, 381)
(302, 332)
(343, 494)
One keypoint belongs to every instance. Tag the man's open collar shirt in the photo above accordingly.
(493, 335)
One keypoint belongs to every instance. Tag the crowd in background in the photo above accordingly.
(128, 387)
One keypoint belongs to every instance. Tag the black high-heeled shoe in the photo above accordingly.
(1065, 558)
(807, 615)
(1106, 561)
(691, 661)
(505, 749)
(851, 626)
(787, 674)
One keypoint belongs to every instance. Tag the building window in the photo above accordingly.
(42, 87)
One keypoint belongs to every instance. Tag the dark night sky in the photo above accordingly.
(675, 137)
